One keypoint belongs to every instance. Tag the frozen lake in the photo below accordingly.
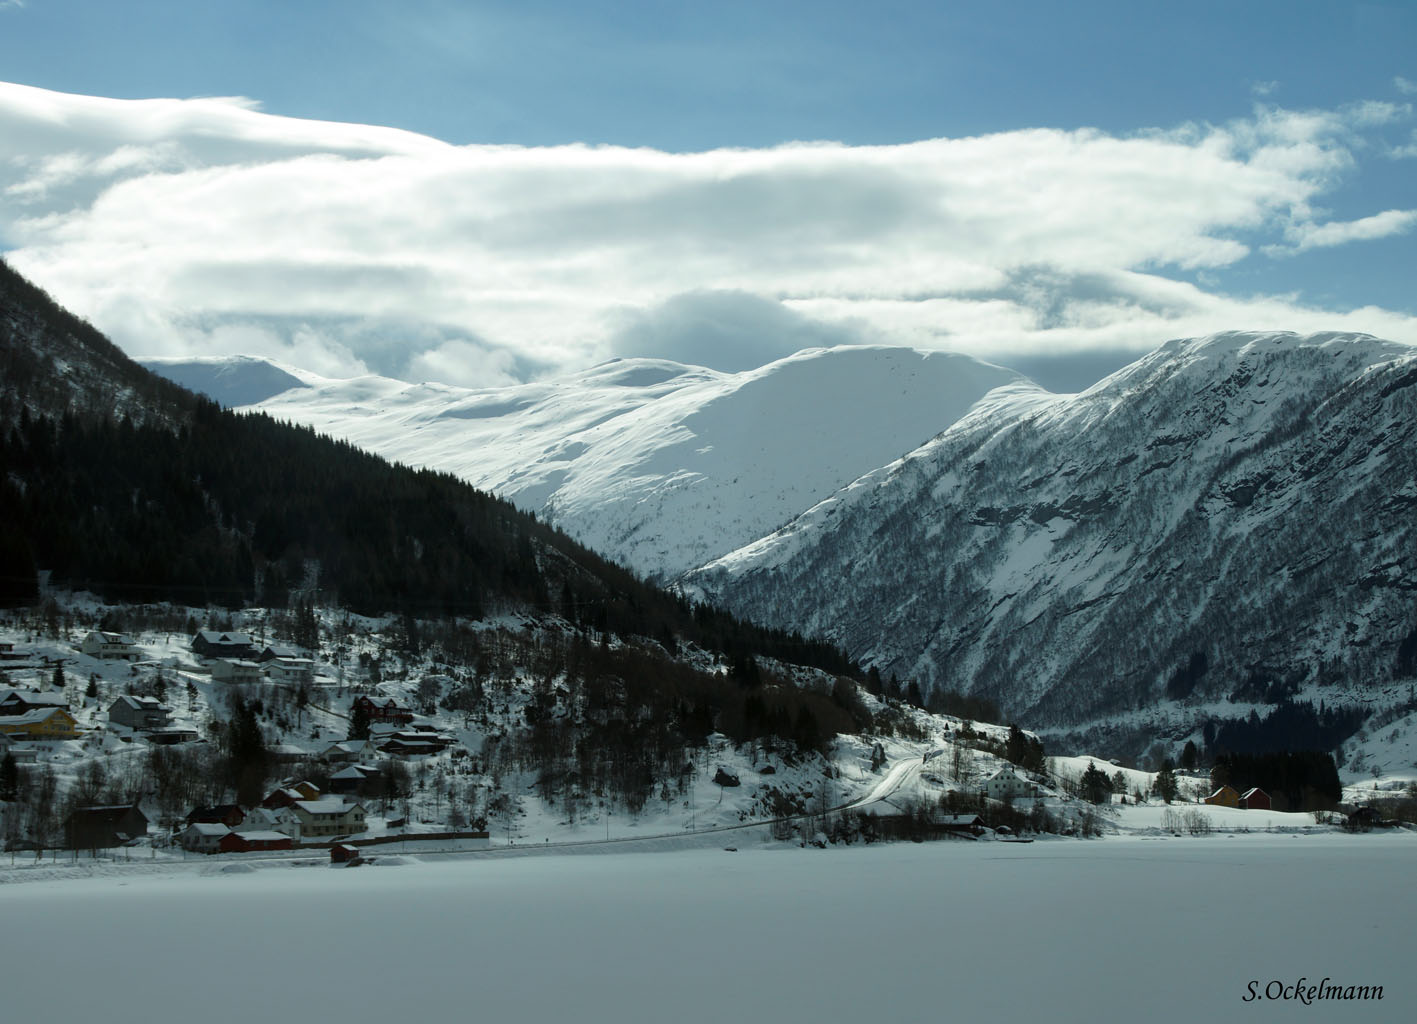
(1120, 929)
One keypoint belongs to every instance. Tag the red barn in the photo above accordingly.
(251, 842)
(1255, 799)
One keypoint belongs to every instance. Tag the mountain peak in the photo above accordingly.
(232, 381)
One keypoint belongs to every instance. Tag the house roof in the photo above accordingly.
(140, 703)
(110, 638)
(35, 697)
(355, 771)
(1253, 790)
(208, 828)
(112, 813)
(325, 805)
(37, 715)
(214, 636)
(262, 837)
(348, 746)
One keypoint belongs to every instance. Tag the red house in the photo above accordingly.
(384, 709)
(251, 842)
(343, 853)
(1255, 799)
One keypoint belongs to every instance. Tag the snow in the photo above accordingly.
(1064, 553)
(1159, 930)
(660, 465)
(230, 380)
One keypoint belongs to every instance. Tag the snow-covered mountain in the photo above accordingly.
(1230, 518)
(1224, 524)
(230, 380)
(659, 465)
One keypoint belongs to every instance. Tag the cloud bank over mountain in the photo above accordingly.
(204, 226)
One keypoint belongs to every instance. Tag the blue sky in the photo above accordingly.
(678, 78)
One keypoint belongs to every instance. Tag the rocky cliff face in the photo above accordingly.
(1229, 519)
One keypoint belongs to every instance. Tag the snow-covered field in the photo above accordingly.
(1125, 929)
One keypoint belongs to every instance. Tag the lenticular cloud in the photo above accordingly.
(180, 225)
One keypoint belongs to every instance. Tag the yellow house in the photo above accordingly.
(41, 724)
(1225, 796)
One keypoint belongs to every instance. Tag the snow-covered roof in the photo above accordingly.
(35, 697)
(208, 828)
(325, 805)
(109, 638)
(214, 636)
(33, 717)
(262, 837)
(140, 703)
(348, 746)
(355, 771)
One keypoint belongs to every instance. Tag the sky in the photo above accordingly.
(483, 193)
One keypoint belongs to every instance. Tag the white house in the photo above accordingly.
(235, 670)
(99, 644)
(1006, 783)
(327, 817)
(202, 836)
(290, 671)
(273, 819)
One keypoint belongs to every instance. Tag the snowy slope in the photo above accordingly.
(659, 465)
(1248, 497)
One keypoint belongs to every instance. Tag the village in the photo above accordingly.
(368, 748)
(108, 698)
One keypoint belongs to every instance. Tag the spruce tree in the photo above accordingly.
(1096, 787)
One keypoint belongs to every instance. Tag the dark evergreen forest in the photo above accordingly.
(128, 486)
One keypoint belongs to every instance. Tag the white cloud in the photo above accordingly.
(1405, 86)
(1380, 225)
(177, 224)
(463, 363)
(724, 330)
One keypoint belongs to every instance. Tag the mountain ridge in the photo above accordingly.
(1201, 500)
(660, 465)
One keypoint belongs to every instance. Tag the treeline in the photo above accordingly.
(122, 483)
(1303, 780)
(231, 510)
(1292, 725)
